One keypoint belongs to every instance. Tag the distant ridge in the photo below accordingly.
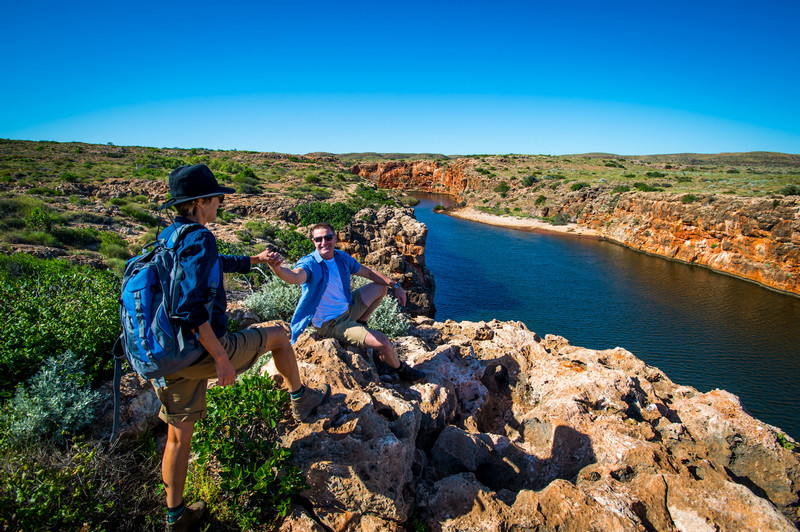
(754, 158)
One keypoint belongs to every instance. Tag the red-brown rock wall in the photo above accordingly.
(424, 176)
(757, 239)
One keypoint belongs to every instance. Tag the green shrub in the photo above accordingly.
(644, 187)
(237, 448)
(369, 197)
(790, 190)
(502, 188)
(295, 244)
(529, 180)
(139, 215)
(620, 189)
(246, 188)
(578, 186)
(58, 402)
(49, 307)
(261, 229)
(688, 198)
(69, 177)
(86, 486)
(79, 238)
(43, 191)
(439, 208)
(684, 179)
(336, 214)
(275, 301)
(113, 246)
(388, 317)
(655, 174)
(39, 220)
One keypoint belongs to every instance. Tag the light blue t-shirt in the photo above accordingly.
(334, 301)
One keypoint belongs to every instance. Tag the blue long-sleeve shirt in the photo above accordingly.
(316, 282)
(203, 267)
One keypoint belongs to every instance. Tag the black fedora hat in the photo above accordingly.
(191, 182)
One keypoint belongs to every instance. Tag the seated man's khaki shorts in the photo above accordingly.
(345, 328)
(184, 396)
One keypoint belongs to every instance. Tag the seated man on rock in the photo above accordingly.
(328, 304)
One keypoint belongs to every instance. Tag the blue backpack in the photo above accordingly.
(154, 344)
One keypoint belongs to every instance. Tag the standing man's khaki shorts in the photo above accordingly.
(184, 396)
(345, 328)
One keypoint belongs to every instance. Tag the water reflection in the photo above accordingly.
(702, 328)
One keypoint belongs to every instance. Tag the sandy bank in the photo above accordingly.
(523, 224)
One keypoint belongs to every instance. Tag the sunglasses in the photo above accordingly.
(221, 198)
(319, 239)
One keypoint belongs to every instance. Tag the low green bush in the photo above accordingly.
(644, 187)
(275, 301)
(540, 200)
(559, 219)
(502, 188)
(295, 244)
(336, 214)
(790, 190)
(145, 218)
(84, 486)
(39, 220)
(688, 198)
(388, 317)
(529, 180)
(237, 448)
(57, 402)
(369, 197)
(655, 174)
(620, 189)
(578, 186)
(52, 306)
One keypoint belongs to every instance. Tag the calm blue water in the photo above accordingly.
(703, 329)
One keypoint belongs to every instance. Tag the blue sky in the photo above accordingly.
(444, 77)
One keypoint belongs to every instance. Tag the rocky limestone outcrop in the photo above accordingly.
(515, 432)
(393, 241)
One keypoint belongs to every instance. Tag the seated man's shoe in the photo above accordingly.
(409, 374)
(404, 372)
(303, 406)
(189, 519)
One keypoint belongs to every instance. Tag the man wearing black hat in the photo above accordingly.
(196, 196)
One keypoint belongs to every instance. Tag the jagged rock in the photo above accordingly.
(138, 410)
(514, 432)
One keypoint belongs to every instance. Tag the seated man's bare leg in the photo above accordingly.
(371, 294)
(283, 354)
(379, 342)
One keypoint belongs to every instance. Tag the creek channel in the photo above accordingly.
(702, 328)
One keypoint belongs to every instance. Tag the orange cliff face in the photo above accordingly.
(423, 176)
(753, 238)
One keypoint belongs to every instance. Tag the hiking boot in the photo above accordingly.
(409, 374)
(404, 372)
(189, 519)
(311, 399)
